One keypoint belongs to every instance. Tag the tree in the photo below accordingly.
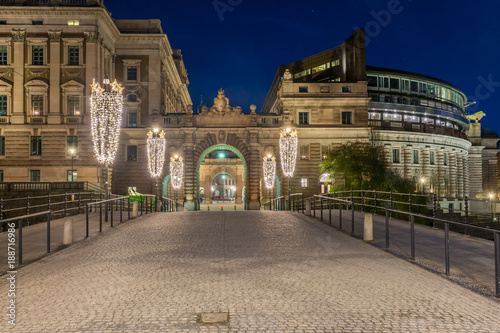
(361, 165)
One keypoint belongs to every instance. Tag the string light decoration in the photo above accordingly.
(269, 167)
(106, 104)
(289, 142)
(156, 145)
(176, 174)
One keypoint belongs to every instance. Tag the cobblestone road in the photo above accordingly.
(271, 271)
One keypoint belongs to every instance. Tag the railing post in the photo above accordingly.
(466, 209)
(321, 205)
(48, 232)
(412, 236)
(87, 221)
(20, 245)
(65, 203)
(387, 230)
(352, 216)
(141, 205)
(340, 215)
(409, 202)
(375, 200)
(434, 209)
(91, 192)
(330, 211)
(121, 210)
(128, 207)
(362, 200)
(497, 264)
(447, 247)
(79, 201)
(111, 202)
(28, 205)
(100, 217)
(392, 204)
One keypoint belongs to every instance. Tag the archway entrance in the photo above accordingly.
(222, 173)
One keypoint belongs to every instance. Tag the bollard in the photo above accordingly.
(368, 229)
(308, 207)
(68, 231)
(221, 207)
(234, 207)
(135, 208)
(208, 208)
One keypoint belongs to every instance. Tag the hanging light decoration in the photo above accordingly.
(105, 119)
(269, 167)
(156, 152)
(176, 174)
(288, 151)
(176, 171)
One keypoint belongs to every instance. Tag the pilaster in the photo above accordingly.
(19, 38)
(54, 114)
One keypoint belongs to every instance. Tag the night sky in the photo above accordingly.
(240, 45)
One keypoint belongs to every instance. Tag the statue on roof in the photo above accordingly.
(221, 102)
(476, 116)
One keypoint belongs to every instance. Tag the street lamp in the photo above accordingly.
(106, 105)
(176, 174)
(156, 156)
(288, 152)
(422, 181)
(72, 151)
(491, 201)
(269, 168)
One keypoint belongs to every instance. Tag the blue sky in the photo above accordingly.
(239, 44)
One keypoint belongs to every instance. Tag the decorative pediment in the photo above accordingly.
(36, 83)
(72, 84)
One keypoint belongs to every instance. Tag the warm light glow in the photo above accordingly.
(176, 156)
(176, 171)
(105, 121)
(288, 129)
(156, 145)
(422, 180)
(269, 168)
(288, 151)
(72, 151)
(155, 130)
(221, 155)
(491, 195)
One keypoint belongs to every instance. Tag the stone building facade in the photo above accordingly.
(48, 60)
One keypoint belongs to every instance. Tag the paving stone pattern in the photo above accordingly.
(271, 271)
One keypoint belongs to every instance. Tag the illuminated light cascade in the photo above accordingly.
(269, 167)
(105, 119)
(288, 152)
(176, 174)
(156, 145)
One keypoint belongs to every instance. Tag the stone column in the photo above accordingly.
(253, 171)
(190, 188)
(439, 158)
(425, 162)
(18, 37)
(453, 173)
(407, 154)
(460, 175)
(54, 114)
(476, 170)
(90, 67)
(466, 175)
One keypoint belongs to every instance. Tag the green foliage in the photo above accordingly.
(361, 165)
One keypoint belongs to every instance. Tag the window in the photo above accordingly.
(132, 73)
(304, 118)
(3, 54)
(431, 158)
(2, 145)
(304, 152)
(73, 55)
(325, 149)
(131, 153)
(346, 89)
(71, 143)
(37, 105)
(1, 175)
(37, 22)
(73, 22)
(3, 22)
(374, 116)
(347, 118)
(73, 105)
(35, 175)
(71, 175)
(394, 83)
(395, 156)
(325, 89)
(405, 85)
(335, 62)
(132, 98)
(3, 105)
(303, 89)
(445, 159)
(37, 55)
(383, 82)
(303, 182)
(36, 145)
(414, 86)
(131, 119)
(372, 81)
(415, 157)
(423, 88)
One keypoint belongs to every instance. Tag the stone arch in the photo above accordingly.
(202, 153)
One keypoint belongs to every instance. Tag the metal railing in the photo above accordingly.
(19, 239)
(332, 202)
(111, 206)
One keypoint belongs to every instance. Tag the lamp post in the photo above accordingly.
(105, 119)
(176, 174)
(491, 202)
(156, 144)
(288, 153)
(72, 151)
(269, 168)
(422, 181)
